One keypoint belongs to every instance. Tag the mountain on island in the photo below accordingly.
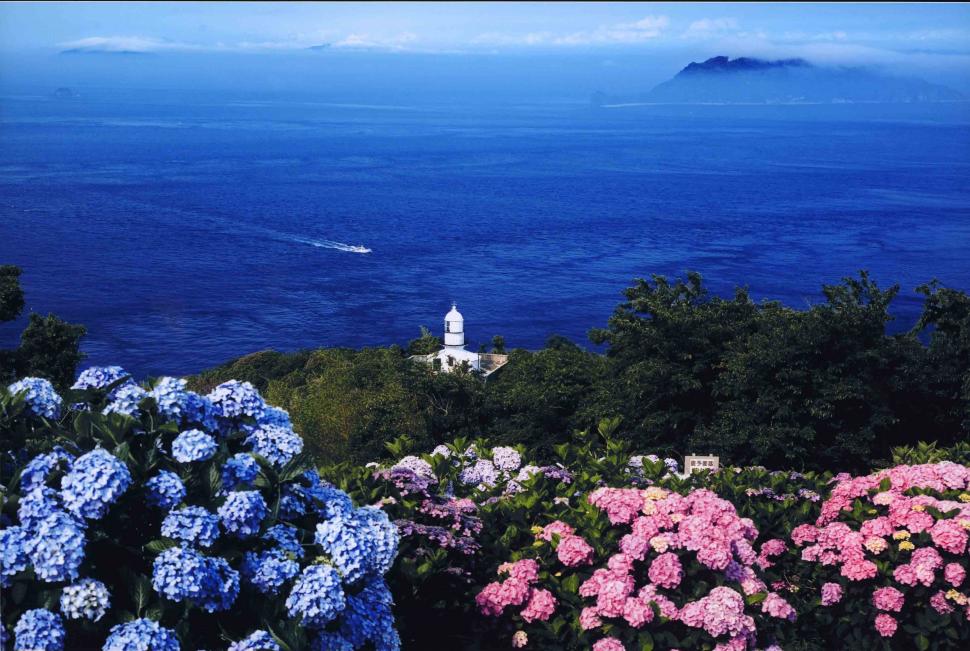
(721, 80)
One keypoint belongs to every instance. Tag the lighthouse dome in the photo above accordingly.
(454, 328)
(454, 314)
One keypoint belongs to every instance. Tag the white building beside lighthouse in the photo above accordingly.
(453, 355)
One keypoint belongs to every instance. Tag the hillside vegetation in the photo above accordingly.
(824, 388)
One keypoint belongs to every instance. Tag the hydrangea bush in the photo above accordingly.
(153, 518)
(885, 563)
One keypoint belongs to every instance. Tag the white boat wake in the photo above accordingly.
(330, 244)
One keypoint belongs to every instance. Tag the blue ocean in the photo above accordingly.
(184, 231)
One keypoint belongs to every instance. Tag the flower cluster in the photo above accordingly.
(518, 590)
(914, 536)
(219, 523)
(193, 445)
(667, 536)
(39, 395)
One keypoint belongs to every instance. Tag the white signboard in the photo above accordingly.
(693, 462)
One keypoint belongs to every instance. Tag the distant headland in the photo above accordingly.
(722, 80)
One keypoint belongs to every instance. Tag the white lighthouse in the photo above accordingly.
(454, 328)
(453, 355)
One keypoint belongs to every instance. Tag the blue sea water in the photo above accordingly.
(187, 230)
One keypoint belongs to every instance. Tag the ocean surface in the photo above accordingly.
(184, 231)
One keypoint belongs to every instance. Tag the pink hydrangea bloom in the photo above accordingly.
(637, 612)
(776, 606)
(524, 570)
(541, 606)
(620, 504)
(574, 551)
(666, 570)
(831, 594)
(804, 533)
(886, 625)
(940, 604)
(888, 599)
(954, 574)
(556, 527)
(949, 536)
(609, 644)
(859, 570)
(620, 563)
(588, 619)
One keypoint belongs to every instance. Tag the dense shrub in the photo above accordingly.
(159, 519)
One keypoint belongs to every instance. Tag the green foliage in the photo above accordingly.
(11, 294)
(823, 388)
(426, 344)
(49, 347)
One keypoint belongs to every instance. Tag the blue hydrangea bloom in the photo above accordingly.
(235, 399)
(56, 547)
(223, 586)
(37, 469)
(319, 497)
(275, 416)
(39, 395)
(240, 470)
(193, 445)
(86, 599)
(13, 553)
(126, 399)
(268, 571)
(368, 618)
(257, 641)
(242, 513)
(94, 483)
(164, 490)
(384, 536)
(39, 630)
(98, 377)
(141, 635)
(326, 641)
(346, 541)
(181, 405)
(275, 443)
(286, 537)
(37, 505)
(317, 597)
(184, 574)
(192, 524)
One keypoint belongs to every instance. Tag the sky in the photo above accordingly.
(932, 40)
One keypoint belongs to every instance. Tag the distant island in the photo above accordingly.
(721, 80)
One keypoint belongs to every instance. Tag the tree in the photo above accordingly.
(11, 294)
(426, 344)
(50, 348)
(498, 344)
(667, 343)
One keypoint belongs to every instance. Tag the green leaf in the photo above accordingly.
(159, 545)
